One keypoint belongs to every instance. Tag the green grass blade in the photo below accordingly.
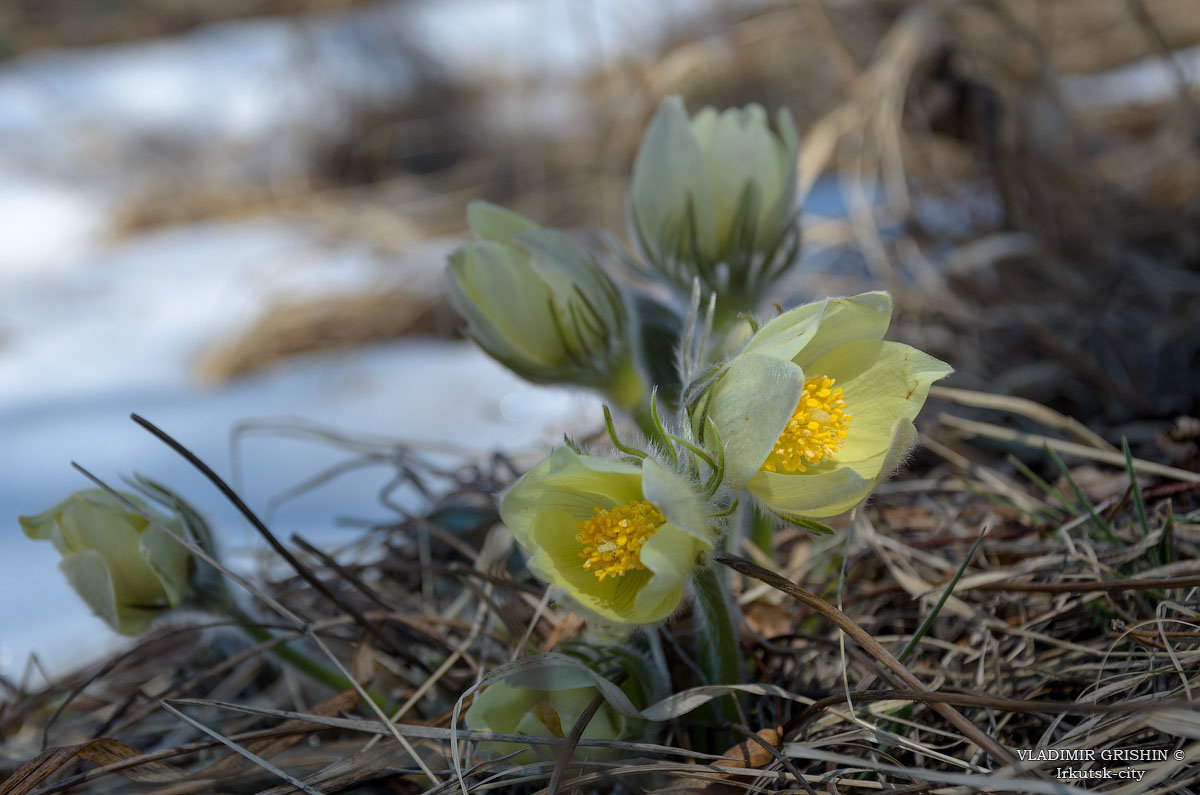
(928, 622)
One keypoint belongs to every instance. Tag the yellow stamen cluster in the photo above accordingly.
(548, 716)
(612, 540)
(816, 429)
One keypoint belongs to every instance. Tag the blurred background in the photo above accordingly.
(232, 218)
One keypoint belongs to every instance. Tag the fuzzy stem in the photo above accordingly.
(717, 646)
(762, 531)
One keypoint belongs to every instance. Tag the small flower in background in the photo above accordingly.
(620, 540)
(549, 710)
(713, 197)
(817, 409)
(540, 306)
(127, 570)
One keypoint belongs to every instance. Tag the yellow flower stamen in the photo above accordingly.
(548, 716)
(612, 539)
(816, 429)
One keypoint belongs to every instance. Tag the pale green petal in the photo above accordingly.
(806, 333)
(783, 336)
(89, 576)
(750, 406)
(676, 497)
(882, 382)
(100, 523)
(788, 151)
(739, 150)
(671, 555)
(168, 559)
(834, 489)
(506, 303)
(669, 170)
(44, 527)
(499, 707)
(811, 494)
(617, 481)
(860, 317)
(495, 223)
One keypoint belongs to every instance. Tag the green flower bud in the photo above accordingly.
(550, 708)
(619, 540)
(537, 304)
(127, 570)
(818, 408)
(712, 197)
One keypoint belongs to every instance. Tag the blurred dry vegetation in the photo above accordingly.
(1048, 249)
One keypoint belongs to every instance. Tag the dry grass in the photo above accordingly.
(1060, 268)
(1071, 624)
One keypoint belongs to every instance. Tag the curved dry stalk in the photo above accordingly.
(870, 645)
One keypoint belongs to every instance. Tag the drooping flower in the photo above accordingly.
(126, 569)
(540, 306)
(818, 408)
(712, 197)
(619, 540)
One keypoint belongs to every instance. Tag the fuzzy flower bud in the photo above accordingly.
(537, 304)
(712, 197)
(547, 708)
(127, 570)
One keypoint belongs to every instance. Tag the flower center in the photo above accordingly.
(547, 715)
(612, 540)
(816, 429)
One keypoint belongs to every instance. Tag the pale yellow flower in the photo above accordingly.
(619, 540)
(818, 408)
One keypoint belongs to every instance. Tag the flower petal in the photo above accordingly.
(499, 707)
(671, 555)
(808, 332)
(676, 497)
(751, 406)
(91, 579)
(739, 150)
(168, 559)
(833, 491)
(495, 223)
(498, 291)
(882, 382)
(669, 170)
(100, 522)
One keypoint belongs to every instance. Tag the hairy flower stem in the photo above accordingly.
(762, 531)
(717, 649)
(298, 660)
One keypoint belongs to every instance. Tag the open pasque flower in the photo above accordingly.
(127, 570)
(818, 408)
(540, 306)
(712, 196)
(619, 540)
